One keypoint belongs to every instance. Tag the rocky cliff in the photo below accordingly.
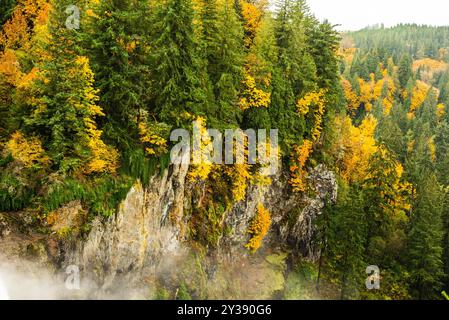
(146, 248)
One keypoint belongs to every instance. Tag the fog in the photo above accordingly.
(3, 291)
(19, 282)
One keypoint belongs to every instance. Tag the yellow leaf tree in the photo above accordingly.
(258, 228)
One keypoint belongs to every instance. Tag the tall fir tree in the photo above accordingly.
(118, 41)
(425, 239)
(180, 83)
(64, 111)
(405, 71)
(346, 241)
(295, 73)
(6, 9)
(223, 50)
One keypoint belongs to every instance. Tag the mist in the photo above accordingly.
(20, 281)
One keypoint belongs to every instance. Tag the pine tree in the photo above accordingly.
(64, 109)
(405, 71)
(295, 73)
(179, 81)
(6, 8)
(223, 51)
(324, 42)
(261, 62)
(425, 239)
(118, 41)
(387, 204)
(445, 243)
(346, 242)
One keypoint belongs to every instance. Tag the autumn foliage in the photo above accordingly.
(28, 151)
(259, 227)
(355, 147)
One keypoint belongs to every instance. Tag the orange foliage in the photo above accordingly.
(28, 151)
(202, 164)
(429, 67)
(259, 228)
(239, 175)
(347, 54)
(355, 147)
(419, 94)
(399, 195)
(352, 99)
(370, 92)
(16, 32)
(103, 158)
(252, 12)
(9, 67)
(298, 171)
(428, 63)
(154, 142)
(318, 102)
(252, 96)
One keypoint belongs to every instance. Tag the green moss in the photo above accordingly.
(102, 195)
(15, 192)
(301, 282)
(137, 165)
(162, 294)
(183, 293)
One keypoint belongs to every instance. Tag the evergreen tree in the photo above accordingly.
(64, 109)
(6, 9)
(324, 42)
(425, 239)
(445, 243)
(179, 81)
(118, 40)
(262, 59)
(405, 71)
(295, 73)
(223, 50)
(346, 242)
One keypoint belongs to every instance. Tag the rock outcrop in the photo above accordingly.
(146, 238)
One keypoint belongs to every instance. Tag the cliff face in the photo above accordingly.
(146, 244)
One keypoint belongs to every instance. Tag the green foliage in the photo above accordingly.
(101, 195)
(346, 241)
(425, 240)
(179, 80)
(118, 45)
(15, 192)
(6, 8)
(138, 166)
(156, 65)
(183, 292)
(418, 41)
(405, 71)
(222, 40)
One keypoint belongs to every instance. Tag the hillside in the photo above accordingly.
(337, 160)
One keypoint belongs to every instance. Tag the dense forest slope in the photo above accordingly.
(91, 90)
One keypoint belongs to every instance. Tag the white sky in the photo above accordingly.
(357, 14)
